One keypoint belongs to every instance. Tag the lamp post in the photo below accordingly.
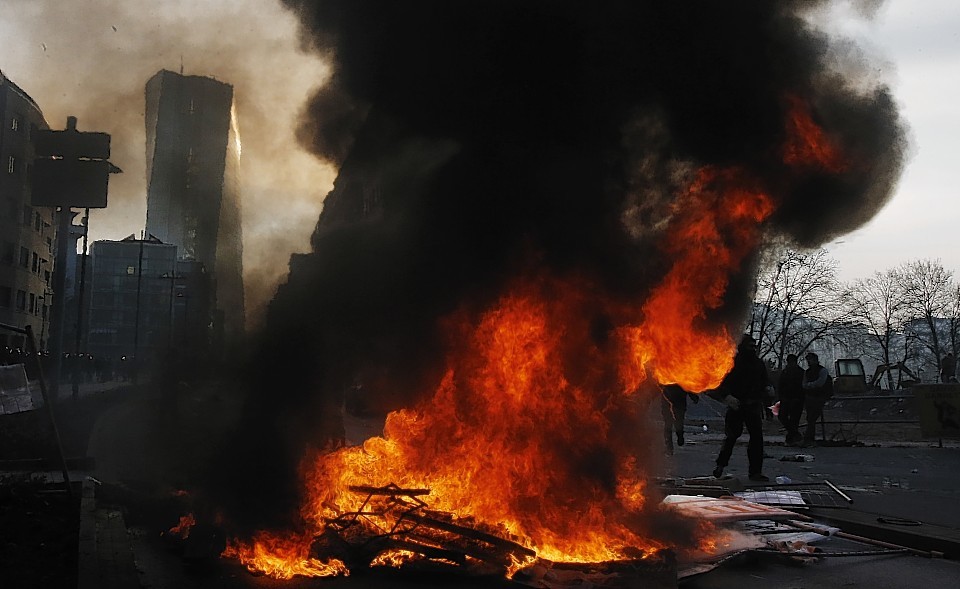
(42, 299)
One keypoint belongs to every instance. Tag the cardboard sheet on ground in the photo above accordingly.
(724, 509)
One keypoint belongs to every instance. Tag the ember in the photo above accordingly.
(183, 527)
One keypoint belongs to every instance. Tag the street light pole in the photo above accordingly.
(79, 334)
(58, 307)
(136, 319)
(42, 299)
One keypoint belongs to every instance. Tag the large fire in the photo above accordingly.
(533, 428)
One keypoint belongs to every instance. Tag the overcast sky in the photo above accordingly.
(919, 41)
(91, 58)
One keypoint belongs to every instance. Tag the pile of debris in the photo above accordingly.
(395, 527)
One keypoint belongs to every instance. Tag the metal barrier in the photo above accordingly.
(832, 405)
(35, 354)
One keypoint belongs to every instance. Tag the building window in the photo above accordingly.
(33, 304)
(6, 294)
(24, 257)
(37, 222)
(11, 164)
(21, 300)
(14, 124)
(35, 263)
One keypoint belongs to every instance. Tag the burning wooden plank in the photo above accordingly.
(390, 490)
(393, 519)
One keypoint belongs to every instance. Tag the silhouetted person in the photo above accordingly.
(815, 394)
(744, 391)
(948, 368)
(673, 409)
(790, 393)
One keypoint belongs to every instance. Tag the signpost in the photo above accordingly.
(70, 170)
(938, 406)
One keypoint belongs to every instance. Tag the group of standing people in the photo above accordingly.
(747, 392)
(802, 391)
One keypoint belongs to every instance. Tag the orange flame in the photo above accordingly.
(283, 556)
(534, 428)
(182, 529)
(807, 144)
(716, 225)
(526, 429)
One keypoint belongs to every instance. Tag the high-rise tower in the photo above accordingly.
(193, 196)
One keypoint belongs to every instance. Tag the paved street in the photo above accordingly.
(914, 480)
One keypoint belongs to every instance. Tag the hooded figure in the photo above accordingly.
(744, 390)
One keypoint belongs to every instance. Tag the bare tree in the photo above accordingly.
(953, 320)
(878, 303)
(799, 301)
(928, 294)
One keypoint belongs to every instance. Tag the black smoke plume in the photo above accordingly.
(477, 140)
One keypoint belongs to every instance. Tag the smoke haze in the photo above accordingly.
(92, 59)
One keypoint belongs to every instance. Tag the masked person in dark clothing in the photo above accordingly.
(816, 391)
(790, 392)
(744, 390)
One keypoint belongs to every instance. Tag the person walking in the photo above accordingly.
(948, 368)
(744, 390)
(817, 388)
(790, 393)
(673, 409)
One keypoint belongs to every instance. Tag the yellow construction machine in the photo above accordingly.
(851, 379)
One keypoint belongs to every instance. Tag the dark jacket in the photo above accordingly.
(748, 379)
(815, 381)
(790, 385)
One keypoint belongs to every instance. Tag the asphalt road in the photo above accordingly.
(912, 479)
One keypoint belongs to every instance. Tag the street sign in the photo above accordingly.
(71, 168)
(79, 183)
(938, 406)
(71, 144)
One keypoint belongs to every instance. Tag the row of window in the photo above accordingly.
(28, 216)
(28, 260)
(26, 302)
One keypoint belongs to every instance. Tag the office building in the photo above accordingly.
(27, 233)
(146, 303)
(193, 199)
